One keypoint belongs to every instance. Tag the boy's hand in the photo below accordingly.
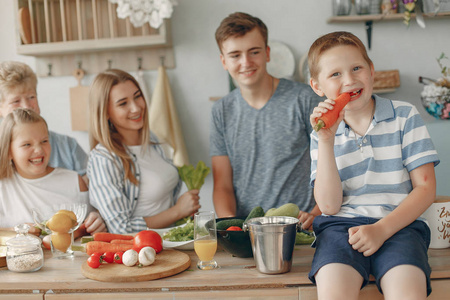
(322, 108)
(366, 239)
(306, 219)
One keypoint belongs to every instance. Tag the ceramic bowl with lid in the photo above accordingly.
(24, 252)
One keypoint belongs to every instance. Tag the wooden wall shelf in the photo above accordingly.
(380, 17)
(67, 34)
(369, 19)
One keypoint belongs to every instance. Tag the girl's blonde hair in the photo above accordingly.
(101, 130)
(19, 116)
(13, 75)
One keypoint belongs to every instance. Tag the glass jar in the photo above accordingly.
(341, 7)
(24, 252)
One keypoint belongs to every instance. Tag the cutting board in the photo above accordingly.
(79, 97)
(168, 262)
(2, 259)
(4, 236)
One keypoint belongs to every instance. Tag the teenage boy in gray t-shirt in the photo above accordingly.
(259, 139)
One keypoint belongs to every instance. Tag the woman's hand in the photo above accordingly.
(94, 223)
(188, 203)
(322, 108)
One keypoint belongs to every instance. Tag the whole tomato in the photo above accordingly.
(95, 260)
(108, 257)
(118, 257)
(148, 238)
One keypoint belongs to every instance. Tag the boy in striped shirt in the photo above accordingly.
(373, 177)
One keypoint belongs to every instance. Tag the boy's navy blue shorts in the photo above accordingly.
(407, 247)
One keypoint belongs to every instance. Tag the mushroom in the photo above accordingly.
(130, 258)
(147, 256)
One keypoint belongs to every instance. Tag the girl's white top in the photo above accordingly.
(158, 180)
(19, 195)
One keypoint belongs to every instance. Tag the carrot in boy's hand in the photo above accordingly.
(330, 117)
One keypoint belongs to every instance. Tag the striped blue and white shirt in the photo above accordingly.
(113, 196)
(375, 178)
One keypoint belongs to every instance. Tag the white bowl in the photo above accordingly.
(186, 245)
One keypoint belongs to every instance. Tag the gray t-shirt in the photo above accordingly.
(268, 148)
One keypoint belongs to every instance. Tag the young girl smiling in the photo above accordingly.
(26, 179)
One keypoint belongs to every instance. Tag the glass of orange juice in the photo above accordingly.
(205, 239)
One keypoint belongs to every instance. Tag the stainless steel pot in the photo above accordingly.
(273, 241)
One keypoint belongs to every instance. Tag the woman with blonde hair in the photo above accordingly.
(132, 183)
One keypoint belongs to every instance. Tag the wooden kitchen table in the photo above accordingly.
(236, 278)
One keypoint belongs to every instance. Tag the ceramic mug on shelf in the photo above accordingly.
(438, 217)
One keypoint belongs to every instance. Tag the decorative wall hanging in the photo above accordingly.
(143, 11)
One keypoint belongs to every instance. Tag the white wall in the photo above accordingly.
(199, 74)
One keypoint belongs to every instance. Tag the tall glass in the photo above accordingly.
(205, 239)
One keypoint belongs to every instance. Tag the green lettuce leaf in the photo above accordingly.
(194, 178)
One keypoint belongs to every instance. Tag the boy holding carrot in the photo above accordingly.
(373, 177)
(259, 137)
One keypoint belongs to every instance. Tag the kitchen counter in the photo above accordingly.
(236, 278)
